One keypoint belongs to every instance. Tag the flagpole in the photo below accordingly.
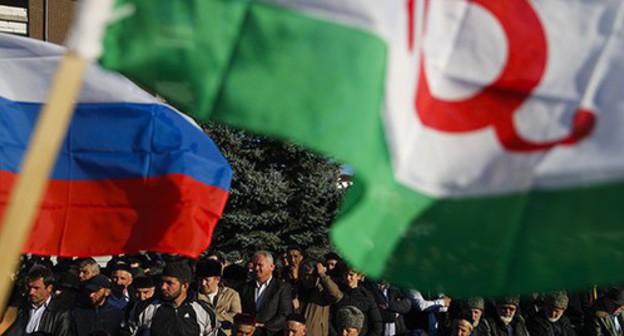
(30, 185)
(84, 44)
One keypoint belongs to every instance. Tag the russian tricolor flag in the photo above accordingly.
(133, 174)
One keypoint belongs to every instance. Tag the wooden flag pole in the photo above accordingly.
(37, 164)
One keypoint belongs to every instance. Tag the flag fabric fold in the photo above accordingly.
(483, 133)
(133, 174)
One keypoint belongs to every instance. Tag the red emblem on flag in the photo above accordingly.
(495, 104)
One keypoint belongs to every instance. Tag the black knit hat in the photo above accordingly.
(180, 270)
(297, 318)
(143, 282)
(208, 268)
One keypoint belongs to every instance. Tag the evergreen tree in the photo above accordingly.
(281, 194)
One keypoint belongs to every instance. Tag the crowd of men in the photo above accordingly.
(155, 294)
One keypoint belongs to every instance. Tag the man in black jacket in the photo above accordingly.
(508, 321)
(392, 305)
(42, 314)
(549, 321)
(177, 313)
(99, 315)
(266, 298)
(358, 297)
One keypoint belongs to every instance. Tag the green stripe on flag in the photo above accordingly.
(537, 241)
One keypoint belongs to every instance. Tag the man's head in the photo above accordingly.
(615, 299)
(331, 259)
(98, 288)
(555, 305)
(295, 255)
(263, 265)
(122, 278)
(176, 278)
(462, 326)
(208, 272)
(308, 273)
(350, 277)
(350, 321)
(475, 307)
(39, 282)
(244, 325)
(295, 325)
(506, 308)
(88, 268)
(144, 288)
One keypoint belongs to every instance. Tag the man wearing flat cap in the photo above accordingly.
(349, 321)
(224, 300)
(606, 318)
(550, 321)
(508, 321)
(99, 315)
(177, 313)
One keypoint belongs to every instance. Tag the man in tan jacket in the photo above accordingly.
(224, 300)
(317, 292)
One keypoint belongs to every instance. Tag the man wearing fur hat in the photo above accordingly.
(550, 321)
(350, 321)
(508, 322)
(475, 307)
(606, 318)
(225, 301)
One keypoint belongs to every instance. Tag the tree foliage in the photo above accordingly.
(281, 194)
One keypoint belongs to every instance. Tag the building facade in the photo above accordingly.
(47, 20)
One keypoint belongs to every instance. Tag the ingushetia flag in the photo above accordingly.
(133, 174)
(485, 134)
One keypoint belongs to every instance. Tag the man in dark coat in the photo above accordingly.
(99, 315)
(265, 297)
(550, 321)
(508, 322)
(42, 314)
(358, 297)
(606, 317)
(392, 305)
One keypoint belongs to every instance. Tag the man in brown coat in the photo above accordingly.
(224, 300)
(317, 292)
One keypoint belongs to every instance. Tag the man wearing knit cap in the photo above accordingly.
(144, 288)
(177, 313)
(508, 322)
(550, 321)
(350, 321)
(474, 307)
(225, 301)
(295, 325)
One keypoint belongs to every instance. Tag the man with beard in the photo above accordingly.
(177, 313)
(42, 314)
(606, 318)
(549, 321)
(474, 307)
(144, 288)
(508, 322)
(99, 315)
(121, 295)
(317, 292)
